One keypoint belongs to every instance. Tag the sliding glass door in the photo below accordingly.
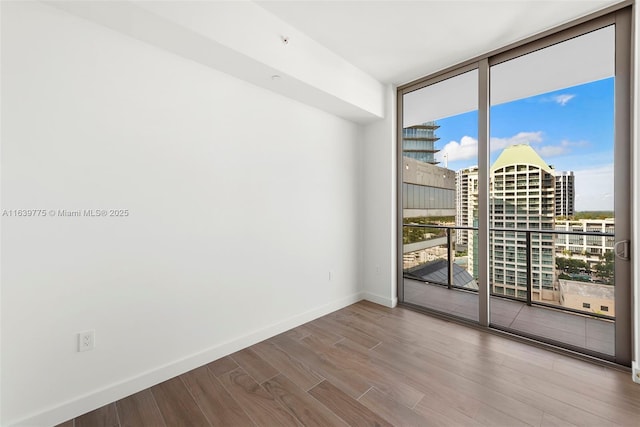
(515, 175)
(439, 158)
(552, 213)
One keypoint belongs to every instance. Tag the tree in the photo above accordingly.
(592, 215)
(605, 269)
(419, 234)
(571, 266)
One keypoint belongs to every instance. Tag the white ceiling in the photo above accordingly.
(340, 52)
(399, 41)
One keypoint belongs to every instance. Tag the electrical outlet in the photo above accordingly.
(330, 275)
(86, 340)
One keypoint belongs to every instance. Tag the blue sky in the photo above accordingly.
(571, 129)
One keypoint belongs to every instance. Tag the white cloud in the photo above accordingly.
(467, 148)
(520, 138)
(565, 147)
(563, 99)
(567, 143)
(552, 151)
(594, 188)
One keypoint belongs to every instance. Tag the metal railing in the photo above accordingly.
(528, 254)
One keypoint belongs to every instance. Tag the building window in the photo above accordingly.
(509, 207)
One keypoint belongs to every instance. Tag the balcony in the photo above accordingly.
(566, 329)
(575, 314)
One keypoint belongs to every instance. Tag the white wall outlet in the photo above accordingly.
(330, 275)
(86, 340)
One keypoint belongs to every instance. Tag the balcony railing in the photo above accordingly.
(439, 241)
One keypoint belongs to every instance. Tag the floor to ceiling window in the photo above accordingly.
(514, 173)
(437, 218)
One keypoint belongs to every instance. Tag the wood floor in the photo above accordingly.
(367, 365)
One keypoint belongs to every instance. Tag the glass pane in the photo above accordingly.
(439, 144)
(551, 147)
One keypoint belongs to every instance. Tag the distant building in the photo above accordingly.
(565, 193)
(522, 188)
(589, 297)
(590, 249)
(466, 204)
(438, 272)
(427, 190)
(418, 142)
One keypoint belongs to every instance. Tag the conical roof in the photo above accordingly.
(520, 154)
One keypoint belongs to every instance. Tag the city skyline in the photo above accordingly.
(571, 129)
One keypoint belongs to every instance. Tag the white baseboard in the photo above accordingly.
(119, 390)
(635, 372)
(378, 299)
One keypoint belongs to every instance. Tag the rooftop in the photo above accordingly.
(520, 154)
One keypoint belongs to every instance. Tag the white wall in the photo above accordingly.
(240, 203)
(242, 39)
(379, 272)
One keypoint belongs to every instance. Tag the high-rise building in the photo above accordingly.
(522, 191)
(522, 197)
(428, 191)
(466, 208)
(565, 193)
(418, 142)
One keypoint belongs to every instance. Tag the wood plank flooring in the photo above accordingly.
(368, 365)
